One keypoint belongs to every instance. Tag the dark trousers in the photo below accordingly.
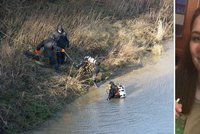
(60, 57)
(54, 63)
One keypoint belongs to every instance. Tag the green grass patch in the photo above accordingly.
(179, 126)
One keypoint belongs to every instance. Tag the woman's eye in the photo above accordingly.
(195, 39)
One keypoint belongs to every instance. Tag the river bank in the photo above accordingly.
(148, 107)
(117, 31)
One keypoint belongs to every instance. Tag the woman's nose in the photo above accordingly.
(197, 48)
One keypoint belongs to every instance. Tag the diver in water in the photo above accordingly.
(112, 90)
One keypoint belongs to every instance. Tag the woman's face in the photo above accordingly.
(195, 43)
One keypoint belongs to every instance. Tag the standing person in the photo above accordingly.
(62, 41)
(50, 48)
(188, 79)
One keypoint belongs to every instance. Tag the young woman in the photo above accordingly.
(188, 79)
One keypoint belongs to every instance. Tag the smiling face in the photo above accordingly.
(195, 43)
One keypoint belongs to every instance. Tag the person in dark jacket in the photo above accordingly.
(50, 48)
(112, 90)
(62, 41)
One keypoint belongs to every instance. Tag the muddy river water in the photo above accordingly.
(147, 109)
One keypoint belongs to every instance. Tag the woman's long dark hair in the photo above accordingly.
(187, 75)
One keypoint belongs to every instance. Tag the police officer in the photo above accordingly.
(62, 41)
(50, 48)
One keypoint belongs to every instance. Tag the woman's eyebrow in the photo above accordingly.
(196, 32)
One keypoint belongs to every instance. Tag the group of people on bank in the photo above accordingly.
(54, 48)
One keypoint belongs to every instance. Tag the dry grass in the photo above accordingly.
(122, 35)
(133, 7)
